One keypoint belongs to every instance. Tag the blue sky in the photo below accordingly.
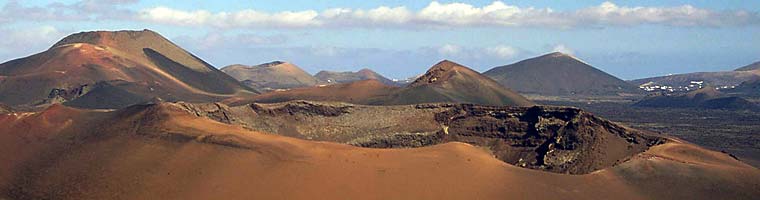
(629, 39)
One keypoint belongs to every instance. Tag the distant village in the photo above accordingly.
(693, 85)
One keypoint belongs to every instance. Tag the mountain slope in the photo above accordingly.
(707, 98)
(747, 89)
(330, 77)
(717, 79)
(367, 92)
(750, 67)
(145, 59)
(727, 78)
(270, 76)
(558, 74)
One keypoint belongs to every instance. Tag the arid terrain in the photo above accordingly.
(164, 151)
(131, 115)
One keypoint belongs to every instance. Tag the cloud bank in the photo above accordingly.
(442, 15)
(434, 15)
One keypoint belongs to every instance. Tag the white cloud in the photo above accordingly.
(379, 16)
(329, 51)
(453, 51)
(450, 50)
(83, 10)
(216, 40)
(436, 14)
(33, 40)
(563, 49)
(240, 19)
(502, 51)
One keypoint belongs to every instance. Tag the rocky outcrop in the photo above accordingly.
(60, 95)
(302, 107)
(554, 139)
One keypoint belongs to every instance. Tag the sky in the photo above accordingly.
(400, 39)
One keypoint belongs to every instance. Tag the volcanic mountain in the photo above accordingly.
(706, 98)
(444, 82)
(271, 76)
(451, 82)
(330, 77)
(558, 74)
(168, 151)
(113, 70)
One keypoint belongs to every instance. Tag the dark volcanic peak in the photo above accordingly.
(558, 54)
(558, 74)
(750, 67)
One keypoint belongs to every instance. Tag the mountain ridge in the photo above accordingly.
(445, 81)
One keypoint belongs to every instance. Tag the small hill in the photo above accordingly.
(706, 98)
(750, 67)
(271, 76)
(451, 82)
(558, 74)
(144, 59)
(330, 77)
